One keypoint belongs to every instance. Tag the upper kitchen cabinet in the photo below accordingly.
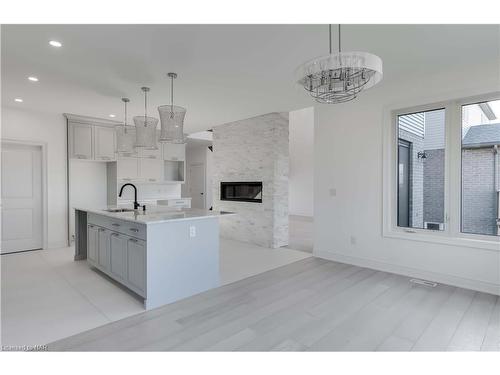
(174, 151)
(91, 138)
(104, 143)
(80, 141)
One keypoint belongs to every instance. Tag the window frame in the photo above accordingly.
(451, 235)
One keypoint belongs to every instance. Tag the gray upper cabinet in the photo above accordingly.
(104, 143)
(91, 138)
(80, 141)
(174, 152)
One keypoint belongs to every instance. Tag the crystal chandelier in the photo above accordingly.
(145, 127)
(125, 134)
(339, 77)
(172, 118)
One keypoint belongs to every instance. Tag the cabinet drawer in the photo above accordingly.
(121, 226)
(181, 202)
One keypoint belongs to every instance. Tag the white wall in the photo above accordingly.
(48, 128)
(348, 159)
(301, 178)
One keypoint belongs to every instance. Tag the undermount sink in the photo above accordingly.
(119, 210)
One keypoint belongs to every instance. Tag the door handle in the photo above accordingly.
(134, 230)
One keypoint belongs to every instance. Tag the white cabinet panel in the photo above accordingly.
(80, 138)
(104, 143)
(103, 239)
(118, 256)
(127, 169)
(151, 154)
(175, 152)
(151, 170)
(136, 264)
(92, 244)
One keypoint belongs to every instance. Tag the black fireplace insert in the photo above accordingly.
(241, 191)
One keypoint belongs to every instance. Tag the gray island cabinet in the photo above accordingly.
(162, 255)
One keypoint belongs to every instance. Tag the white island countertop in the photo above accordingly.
(155, 214)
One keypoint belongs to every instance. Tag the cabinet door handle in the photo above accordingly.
(126, 179)
(152, 179)
(114, 234)
(134, 230)
(152, 157)
(101, 229)
(115, 224)
(105, 158)
(91, 226)
(133, 240)
(80, 156)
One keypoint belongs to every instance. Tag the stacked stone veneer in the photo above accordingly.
(254, 149)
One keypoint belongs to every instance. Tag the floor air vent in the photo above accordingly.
(424, 282)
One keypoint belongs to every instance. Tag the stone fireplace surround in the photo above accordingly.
(254, 149)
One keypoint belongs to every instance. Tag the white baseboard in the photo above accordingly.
(460, 282)
(57, 245)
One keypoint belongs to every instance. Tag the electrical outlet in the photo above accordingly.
(353, 240)
(333, 192)
(192, 231)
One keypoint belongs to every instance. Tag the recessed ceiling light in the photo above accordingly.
(55, 43)
(19, 100)
(34, 79)
(112, 115)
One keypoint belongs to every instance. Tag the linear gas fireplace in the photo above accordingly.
(241, 191)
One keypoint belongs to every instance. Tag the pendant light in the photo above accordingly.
(172, 118)
(125, 134)
(339, 77)
(145, 127)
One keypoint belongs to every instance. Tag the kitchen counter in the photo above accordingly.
(155, 214)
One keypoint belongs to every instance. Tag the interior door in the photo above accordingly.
(197, 185)
(404, 154)
(22, 213)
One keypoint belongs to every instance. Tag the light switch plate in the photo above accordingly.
(192, 231)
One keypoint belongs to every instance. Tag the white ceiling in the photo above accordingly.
(226, 72)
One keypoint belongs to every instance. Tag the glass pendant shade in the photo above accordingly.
(172, 123)
(145, 128)
(125, 139)
(339, 77)
(125, 134)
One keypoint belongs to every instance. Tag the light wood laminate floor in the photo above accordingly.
(314, 305)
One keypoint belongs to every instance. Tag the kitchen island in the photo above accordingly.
(161, 254)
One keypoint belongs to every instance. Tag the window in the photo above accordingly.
(442, 172)
(421, 170)
(480, 198)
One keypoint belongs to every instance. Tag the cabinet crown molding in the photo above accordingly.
(90, 120)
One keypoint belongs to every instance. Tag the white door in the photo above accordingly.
(22, 218)
(197, 185)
